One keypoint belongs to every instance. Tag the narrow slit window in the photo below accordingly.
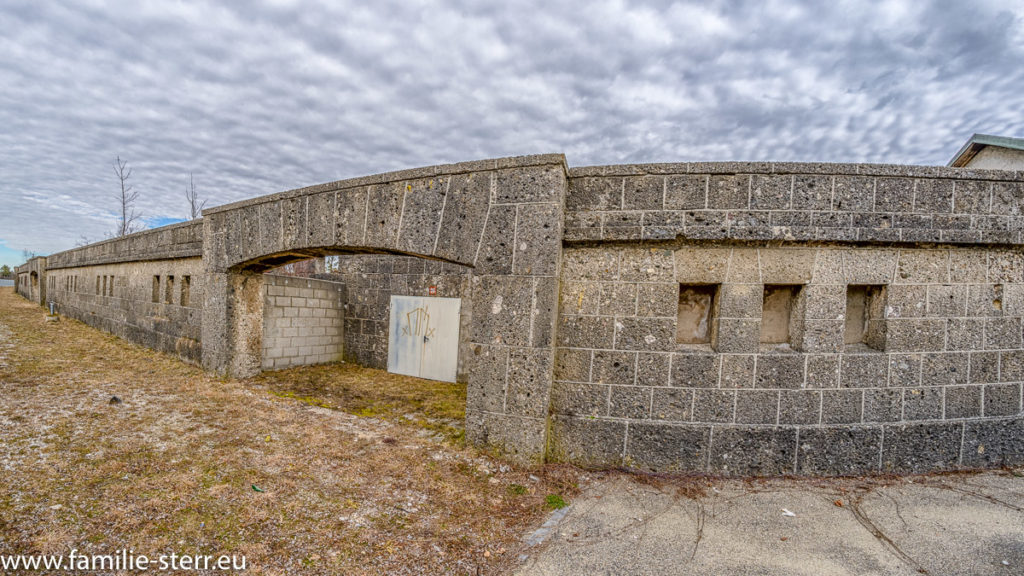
(156, 289)
(110, 288)
(104, 285)
(777, 312)
(98, 293)
(865, 310)
(696, 310)
(186, 288)
(169, 293)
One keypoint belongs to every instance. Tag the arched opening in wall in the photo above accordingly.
(330, 326)
(34, 280)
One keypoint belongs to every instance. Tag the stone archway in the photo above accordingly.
(502, 218)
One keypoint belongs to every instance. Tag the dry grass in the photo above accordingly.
(361, 472)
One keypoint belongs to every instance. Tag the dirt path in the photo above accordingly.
(188, 463)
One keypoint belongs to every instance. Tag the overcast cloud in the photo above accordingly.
(259, 99)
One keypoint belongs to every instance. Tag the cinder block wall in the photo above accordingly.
(303, 321)
(370, 282)
(941, 390)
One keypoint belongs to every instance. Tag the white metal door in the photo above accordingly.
(423, 337)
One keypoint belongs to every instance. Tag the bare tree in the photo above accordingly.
(129, 220)
(195, 204)
(27, 254)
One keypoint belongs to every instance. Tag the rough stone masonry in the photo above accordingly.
(735, 318)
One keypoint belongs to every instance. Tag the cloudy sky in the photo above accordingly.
(258, 99)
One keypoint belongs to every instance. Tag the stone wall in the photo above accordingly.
(157, 304)
(739, 318)
(303, 321)
(30, 280)
(931, 382)
(371, 280)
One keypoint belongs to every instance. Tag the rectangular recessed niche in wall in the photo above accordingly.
(156, 289)
(186, 288)
(776, 312)
(865, 310)
(696, 307)
(169, 296)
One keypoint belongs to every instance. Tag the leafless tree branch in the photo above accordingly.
(129, 220)
(195, 204)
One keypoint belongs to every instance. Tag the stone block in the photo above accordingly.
(963, 402)
(673, 404)
(350, 216)
(496, 245)
(586, 442)
(666, 448)
(812, 192)
(1007, 198)
(538, 240)
(883, 405)
(646, 265)
(824, 301)
(597, 193)
(652, 369)
(740, 301)
(590, 264)
(984, 367)
(578, 399)
(841, 406)
(713, 405)
(695, 370)
(617, 299)
(933, 196)
(821, 336)
(771, 192)
(757, 407)
(533, 184)
(660, 299)
(869, 266)
(906, 301)
(971, 197)
(529, 382)
(864, 370)
(852, 450)
(580, 298)
(737, 370)
(984, 300)
(488, 369)
(686, 192)
(701, 265)
(828, 267)
(904, 370)
(993, 443)
(648, 334)
(519, 439)
(922, 267)
(733, 335)
(586, 331)
(501, 310)
(780, 371)
(915, 448)
(572, 364)
(1003, 333)
(320, 229)
(800, 407)
(747, 451)
(744, 266)
(728, 192)
(947, 301)
(915, 335)
(383, 211)
(1011, 366)
(922, 403)
(629, 402)
(610, 367)
(1002, 400)
(967, 266)
(424, 201)
(643, 193)
(854, 194)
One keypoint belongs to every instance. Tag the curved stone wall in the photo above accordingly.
(735, 318)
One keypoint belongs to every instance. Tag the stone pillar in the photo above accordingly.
(515, 307)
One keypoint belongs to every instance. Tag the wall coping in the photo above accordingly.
(890, 170)
(401, 175)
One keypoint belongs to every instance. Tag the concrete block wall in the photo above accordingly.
(372, 279)
(156, 304)
(303, 321)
